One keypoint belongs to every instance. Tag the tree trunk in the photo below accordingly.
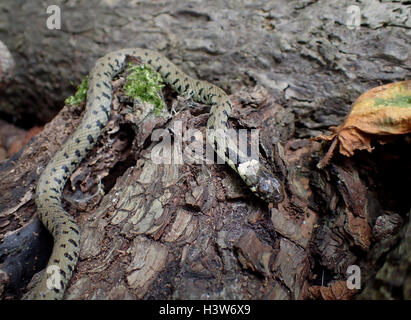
(194, 231)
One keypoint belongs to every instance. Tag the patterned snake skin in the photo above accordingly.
(51, 183)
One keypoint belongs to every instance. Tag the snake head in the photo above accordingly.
(268, 187)
(261, 181)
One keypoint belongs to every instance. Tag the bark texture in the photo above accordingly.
(302, 51)
(193, 231)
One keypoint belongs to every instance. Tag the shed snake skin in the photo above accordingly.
(52, 180)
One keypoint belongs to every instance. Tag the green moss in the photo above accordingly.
(399, 101)
(80, 94)
(145, 84)
(141, 83)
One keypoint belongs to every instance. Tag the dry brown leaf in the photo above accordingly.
(338, 290)
(379, 112)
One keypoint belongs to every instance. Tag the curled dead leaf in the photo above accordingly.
(338, 290)
(378, 113)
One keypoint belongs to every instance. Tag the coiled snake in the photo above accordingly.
(52, 180)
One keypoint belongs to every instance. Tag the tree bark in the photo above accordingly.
(192, 231)
(303, 53)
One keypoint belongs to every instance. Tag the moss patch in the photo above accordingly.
(142, 83)
(80, 94)
(145, 84)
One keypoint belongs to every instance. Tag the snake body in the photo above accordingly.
(52, 180)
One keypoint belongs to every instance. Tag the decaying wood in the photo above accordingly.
(194, 231)
(184, 227)
(304, 53)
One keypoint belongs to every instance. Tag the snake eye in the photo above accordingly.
(264, 186)
(270, 189)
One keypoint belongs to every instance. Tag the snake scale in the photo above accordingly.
(52, 180)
